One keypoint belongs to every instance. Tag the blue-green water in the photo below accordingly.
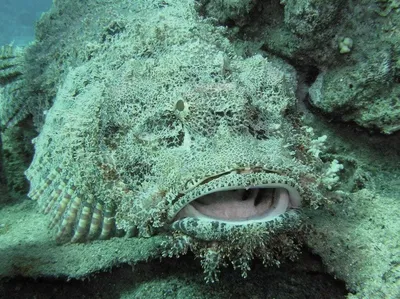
(17, 20)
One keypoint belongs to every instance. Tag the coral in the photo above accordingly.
(317, 146)
(331, 178)
(345, 45)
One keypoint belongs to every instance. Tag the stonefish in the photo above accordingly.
(166, 128)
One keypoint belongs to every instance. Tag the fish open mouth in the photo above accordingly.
(243, 205)
(212, 208)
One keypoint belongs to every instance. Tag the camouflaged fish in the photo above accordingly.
(166, 130)
(12, 102)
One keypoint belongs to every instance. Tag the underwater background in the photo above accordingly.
(115, 116)
(17, 19)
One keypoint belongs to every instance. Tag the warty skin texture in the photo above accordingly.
(130, 142)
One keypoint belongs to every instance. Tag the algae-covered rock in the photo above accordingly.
(301, 31)
(362, 86)
(366, 92)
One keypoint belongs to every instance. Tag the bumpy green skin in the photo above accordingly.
(16, 150)
(10, 63)
(29, 77)
(164, 107)
(11, 83)
(271, 242)
(215, 230)
(16, 154)
(121, 97)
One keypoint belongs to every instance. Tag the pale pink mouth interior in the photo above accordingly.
(258, 204)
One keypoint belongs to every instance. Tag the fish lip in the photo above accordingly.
(293, 194)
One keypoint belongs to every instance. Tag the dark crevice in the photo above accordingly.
(310, 73)
(305, 277)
